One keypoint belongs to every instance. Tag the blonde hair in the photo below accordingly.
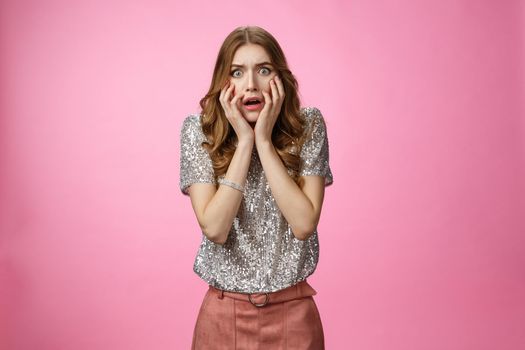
(287, 134)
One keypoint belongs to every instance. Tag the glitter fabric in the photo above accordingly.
(261, 254)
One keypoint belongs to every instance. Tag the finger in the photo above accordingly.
(267, 102)
(226, 100)
(235, 99)
(277, 99)
(229, 92)
(235, 103)
(280, 86)
(223, 90)
(226, 97)
(273, 88)
(275, 103)
(280, 91)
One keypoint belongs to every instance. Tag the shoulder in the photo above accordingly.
(191, 124)
(312, 115)
(314, 118)
(192, 120)
(311, 111)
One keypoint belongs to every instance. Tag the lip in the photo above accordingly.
(253, 107)
(252, 98)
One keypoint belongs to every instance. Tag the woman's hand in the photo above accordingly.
(232, 110)
(272, 107)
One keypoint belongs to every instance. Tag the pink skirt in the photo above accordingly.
(286, 319)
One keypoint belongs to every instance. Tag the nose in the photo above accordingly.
(251, 83)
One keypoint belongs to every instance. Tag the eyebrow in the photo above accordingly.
(258, 64)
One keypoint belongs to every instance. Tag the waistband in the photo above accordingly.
(297, 291)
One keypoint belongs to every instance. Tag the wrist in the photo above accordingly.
(263, 143)
(246, 142)
(238, 187)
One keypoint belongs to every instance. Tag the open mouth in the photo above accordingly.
(252, 102)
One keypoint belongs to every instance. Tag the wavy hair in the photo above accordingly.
(288, 132)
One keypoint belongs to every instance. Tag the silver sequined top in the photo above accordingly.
(261, 254)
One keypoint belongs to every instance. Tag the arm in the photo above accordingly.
(301, 207)
(215, 209)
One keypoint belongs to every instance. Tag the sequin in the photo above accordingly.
(261, 254)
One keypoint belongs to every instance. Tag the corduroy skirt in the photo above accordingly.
(286, 319)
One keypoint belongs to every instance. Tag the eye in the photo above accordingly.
(268, 70)
(232, 73)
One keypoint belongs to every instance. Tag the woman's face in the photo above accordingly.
(250, 73)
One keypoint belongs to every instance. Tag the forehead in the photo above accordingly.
(250, 54)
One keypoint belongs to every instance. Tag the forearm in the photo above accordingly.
(223, 207)
(291, 200)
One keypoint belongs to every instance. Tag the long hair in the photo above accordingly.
(287, 134)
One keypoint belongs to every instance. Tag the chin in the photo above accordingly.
(251, 117)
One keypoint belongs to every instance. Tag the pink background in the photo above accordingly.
(422, 233)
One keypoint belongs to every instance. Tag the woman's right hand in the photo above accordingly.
(232, 110)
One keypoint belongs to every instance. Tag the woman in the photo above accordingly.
(255, 165)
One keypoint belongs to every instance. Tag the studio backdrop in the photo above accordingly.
(422, 234)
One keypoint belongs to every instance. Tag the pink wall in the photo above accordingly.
(422, 242)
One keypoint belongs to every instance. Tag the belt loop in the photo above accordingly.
(267, 297)
(220, 292)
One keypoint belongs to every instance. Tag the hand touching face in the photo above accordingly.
(231, 106)
(251, 73)
(270, 112)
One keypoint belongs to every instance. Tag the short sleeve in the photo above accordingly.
(315, 150)
(195, 162)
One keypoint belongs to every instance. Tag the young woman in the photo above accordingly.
(255, 165)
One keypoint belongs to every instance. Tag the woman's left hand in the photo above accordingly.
(272, 107)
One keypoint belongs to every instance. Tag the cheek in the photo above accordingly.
(267, 86)
(236, 87)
